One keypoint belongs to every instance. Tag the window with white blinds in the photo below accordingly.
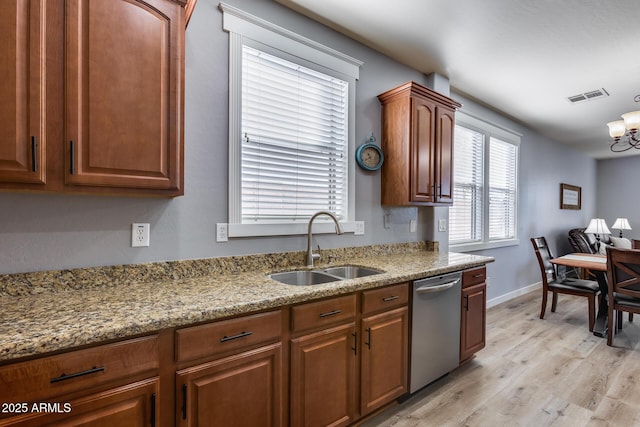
(503, 161)
(291, 130)
(294, 147)
(484, 211)
(465, 216)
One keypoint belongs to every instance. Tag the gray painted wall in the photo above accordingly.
(42, 232)
(618, 190)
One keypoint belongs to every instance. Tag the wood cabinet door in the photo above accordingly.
(444, 156)
(22, 60)
(123, 83)
(323, 372)
(132, 405)
(240, 390)
(384, 374)
(422, 162)
(473, 321)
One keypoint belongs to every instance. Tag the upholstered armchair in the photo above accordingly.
(584, 242)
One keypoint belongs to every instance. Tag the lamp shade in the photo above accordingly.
(617, 128)
(621, 224)
(597, 226)
(632, 120)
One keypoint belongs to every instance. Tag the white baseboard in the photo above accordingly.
(513, 294)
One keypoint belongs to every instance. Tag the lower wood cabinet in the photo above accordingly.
(473, 312)
(323, 377)
(109, 385)
(239, 390)
(132, 405)
(353, 366)
(384, 374)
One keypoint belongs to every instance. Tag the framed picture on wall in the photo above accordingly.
(570, 197)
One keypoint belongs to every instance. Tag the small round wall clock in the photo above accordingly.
(369, 156)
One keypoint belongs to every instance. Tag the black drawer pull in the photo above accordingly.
(235, 337)
(72, 157)
(153, 410)
(65, 377)
(330, 313)
(34, 154)
(387, 299)
(184, 401)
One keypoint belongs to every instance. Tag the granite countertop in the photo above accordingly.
(38, 319)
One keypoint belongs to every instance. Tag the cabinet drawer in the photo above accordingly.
(385, 298)
(213, 338)
(323, 313)
(78, 370)
(474, 276)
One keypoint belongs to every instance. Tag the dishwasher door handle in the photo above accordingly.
(426, 289)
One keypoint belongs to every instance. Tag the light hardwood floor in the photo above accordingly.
(533, 372)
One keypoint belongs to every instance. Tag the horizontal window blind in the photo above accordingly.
(466, 214)
(503, 186)
(484, 211)
(294, 148)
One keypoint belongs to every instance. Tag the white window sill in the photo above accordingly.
(471, 247)
(289, 229)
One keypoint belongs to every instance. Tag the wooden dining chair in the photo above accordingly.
(635, 244)
(623, 277)
(551, 282)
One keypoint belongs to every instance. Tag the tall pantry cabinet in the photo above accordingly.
(96, 96)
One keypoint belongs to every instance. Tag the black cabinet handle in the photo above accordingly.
(355, 343)
(184, 401)
(72, 155)
(153, 410)
(65, 377)
(235, 337)
(368, 342)
(466, 302)
(34, 154)
(330, 313)
(391, 298)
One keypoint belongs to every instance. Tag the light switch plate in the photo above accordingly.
(442, 225)
(359, 228)
(412, 225)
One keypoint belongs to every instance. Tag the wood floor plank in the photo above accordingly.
(534, 372)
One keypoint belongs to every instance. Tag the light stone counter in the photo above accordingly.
(52, 311)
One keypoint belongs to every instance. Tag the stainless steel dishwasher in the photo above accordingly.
(435, 337)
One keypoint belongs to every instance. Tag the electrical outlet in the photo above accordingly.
(412, 225)
(139, 235)
(442, 225)
(222, 232)
(359, 228)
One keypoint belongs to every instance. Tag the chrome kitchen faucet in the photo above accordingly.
(311, 257)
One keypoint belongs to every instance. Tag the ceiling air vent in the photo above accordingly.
(588, 96)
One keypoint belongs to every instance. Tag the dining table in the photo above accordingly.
(596, 264)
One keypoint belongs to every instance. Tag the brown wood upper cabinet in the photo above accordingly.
(22, 42)
(109, 82)
(417, 140)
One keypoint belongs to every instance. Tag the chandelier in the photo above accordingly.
(625, 132)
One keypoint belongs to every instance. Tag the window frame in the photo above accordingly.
(246, 29)
(490, 130)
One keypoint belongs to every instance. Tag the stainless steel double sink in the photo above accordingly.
(325, 275)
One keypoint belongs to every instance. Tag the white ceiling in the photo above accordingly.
(521, 57)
